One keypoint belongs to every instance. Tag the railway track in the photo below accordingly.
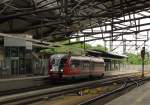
(50, 84)
(39, 95)
(101, 98)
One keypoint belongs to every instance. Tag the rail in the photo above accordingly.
(27, 97)
(126, 85)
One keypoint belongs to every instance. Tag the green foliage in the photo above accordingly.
(136, 59)
(133, 59)
(147, 58)
(76, 49)
(99, 48)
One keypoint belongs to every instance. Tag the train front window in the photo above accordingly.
(58, 63)
(55, 64)
(62, 62)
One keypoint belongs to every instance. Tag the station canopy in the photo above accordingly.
(55, 20)
(106, 55)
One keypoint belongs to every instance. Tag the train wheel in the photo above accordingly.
(91, 77)
(73, 77)
(102, 75)
(59, 77)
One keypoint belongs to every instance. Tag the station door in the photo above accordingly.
(15, 66)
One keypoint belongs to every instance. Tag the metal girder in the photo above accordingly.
(88, 34)
(58, 7)
(125, 33)
(81, 14)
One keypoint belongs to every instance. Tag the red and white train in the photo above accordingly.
(65, 65)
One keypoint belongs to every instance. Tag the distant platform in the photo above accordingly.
(138, 96)
(120, 72)
(31, 81)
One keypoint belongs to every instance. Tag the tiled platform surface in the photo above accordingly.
(138, 96)
(22, 78)
(18, 83)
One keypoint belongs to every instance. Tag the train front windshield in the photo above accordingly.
(57, 63)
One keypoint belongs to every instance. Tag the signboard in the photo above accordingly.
(16, 42)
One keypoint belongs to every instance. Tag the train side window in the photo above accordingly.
(74, 64)
(96, 64)
(92, 65)
(81, 65)
(86, 65)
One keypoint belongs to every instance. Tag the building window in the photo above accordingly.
(14, 52)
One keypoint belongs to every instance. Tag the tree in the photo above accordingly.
(136, 59)
(76, 49)
(100, 48)
(133, 59)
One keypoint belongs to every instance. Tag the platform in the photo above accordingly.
(23, 78)
(137, 96)
(120, 72)
(18, 83)
(26, 82)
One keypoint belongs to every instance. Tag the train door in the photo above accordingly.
(86, 66)
(15, 66)
(91, 67)
(74, 67)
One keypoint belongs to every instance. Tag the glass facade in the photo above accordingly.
(20, 60)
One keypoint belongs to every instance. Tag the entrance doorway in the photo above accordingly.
(15, 66)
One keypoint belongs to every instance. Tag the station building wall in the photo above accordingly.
(17, 58)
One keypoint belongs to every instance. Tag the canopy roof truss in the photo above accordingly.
(56, 20)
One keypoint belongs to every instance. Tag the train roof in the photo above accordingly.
(103, 54)
(58, 55)
(84, 58)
